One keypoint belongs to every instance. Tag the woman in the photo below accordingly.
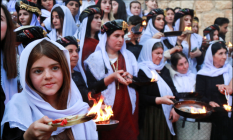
(48, 93)
(150, 5)
(214, 72)
(195, 26)
(169, 19)
(119, 9)
(88, 34)
(192, 42)
(106, 6)
(156, 114)
(28, 13)
(9, 84)
(109, 70)
(134, 9)
(71, 44)
(62, 23)
(74, 6)
(46, 7)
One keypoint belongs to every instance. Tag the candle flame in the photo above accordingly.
(188, 28)
(198, 111)
(192, 91)
(154, 77)
(144, 23)
(230, 45)
(204, 37)
(227, 107)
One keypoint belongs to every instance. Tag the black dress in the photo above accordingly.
(221, 123)
(152, 122)
(3, 97)
(135, 49)
(80, 83)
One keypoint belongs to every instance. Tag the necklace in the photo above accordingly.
(115, 69)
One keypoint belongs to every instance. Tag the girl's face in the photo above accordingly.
(115, 40)
(96, 23)
(24, 17)
(157, 56)
(195, 27)
(56, 20)
(106, 6)
(152, 4)
(219, 58)
(73, 51)
(182, 65)
(34, 1)
(215, 35)
(170, 16)
(114, 7)
(47, 4)
(74, 7)
(159, 22)
(187, 21)
(135, 9)
(46, 77)
(3, 25)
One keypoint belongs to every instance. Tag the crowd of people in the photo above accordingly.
(53, 53)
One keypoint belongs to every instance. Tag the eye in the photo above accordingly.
(37, 71)
(55, 68)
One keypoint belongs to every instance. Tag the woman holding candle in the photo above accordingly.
(110, 70)
(156, 115)
(214, 72)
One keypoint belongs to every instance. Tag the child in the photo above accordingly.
(134, 9)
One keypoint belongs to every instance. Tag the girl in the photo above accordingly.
(106, 6)
(134, 9)
(156, 114)
(211, 33)
(48, 93)
(74, 6)
(195, 26)
(62, 23)
(46, 7)
(214, 72)
(119, 9)
(88, 35)
(109, 70)
(9, 85)
(150, 5)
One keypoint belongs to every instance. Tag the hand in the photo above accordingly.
(42, 24)
(174, 116)
(164, 100)
(195, 54)
(39, 130)
(176, 49)
(119, 78)
(158, 35)
(128, 77)
(223, 87)
(213, 104)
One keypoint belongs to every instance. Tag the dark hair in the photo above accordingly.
(134, 2)
(175, 57)
(99, 5)
(176, 8)
(167, 9)
(40, 6)
(121, 11)
(217, 46)
(157, 45)
(46, 48)
(221, 20)
(212, 35)
(8, 47)
(88, 29)
(60, 14)
(153, 22)
(134, 20)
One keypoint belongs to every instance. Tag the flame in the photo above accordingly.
(144, 23)
(204, 37)
(230, 45)
(198, 111)
(192, 91)
(227, 107)
(154, 77)
(188, 28)
(102, 114)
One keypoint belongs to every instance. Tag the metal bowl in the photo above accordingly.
(106, 127)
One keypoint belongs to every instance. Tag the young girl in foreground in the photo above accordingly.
(48, 94)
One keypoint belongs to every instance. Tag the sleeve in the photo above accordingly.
(201, 87)
(93, 84)
(12, 133)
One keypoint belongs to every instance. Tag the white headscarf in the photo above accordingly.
(172, 39)
(69, 26)
(11, 5)
(45, 13)
(27, 107)
(97, 62)
(146, 64)
(35, 22)
(210, 70)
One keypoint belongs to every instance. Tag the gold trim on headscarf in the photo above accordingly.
(44, 33)
(29, 8)
(80, 1)
(124, 26)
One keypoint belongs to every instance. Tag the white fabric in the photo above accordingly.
(45, 13)
(210, 70)
(20, 49)
(47, 23)
(69, 26)
(28, 106)
(149, 32)
(146, 64)
(97, 62)
(81, 36)
(35, 22)
(85, 4)
(11, 6)
(172, 39)
(177, 25)
(9, 86)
